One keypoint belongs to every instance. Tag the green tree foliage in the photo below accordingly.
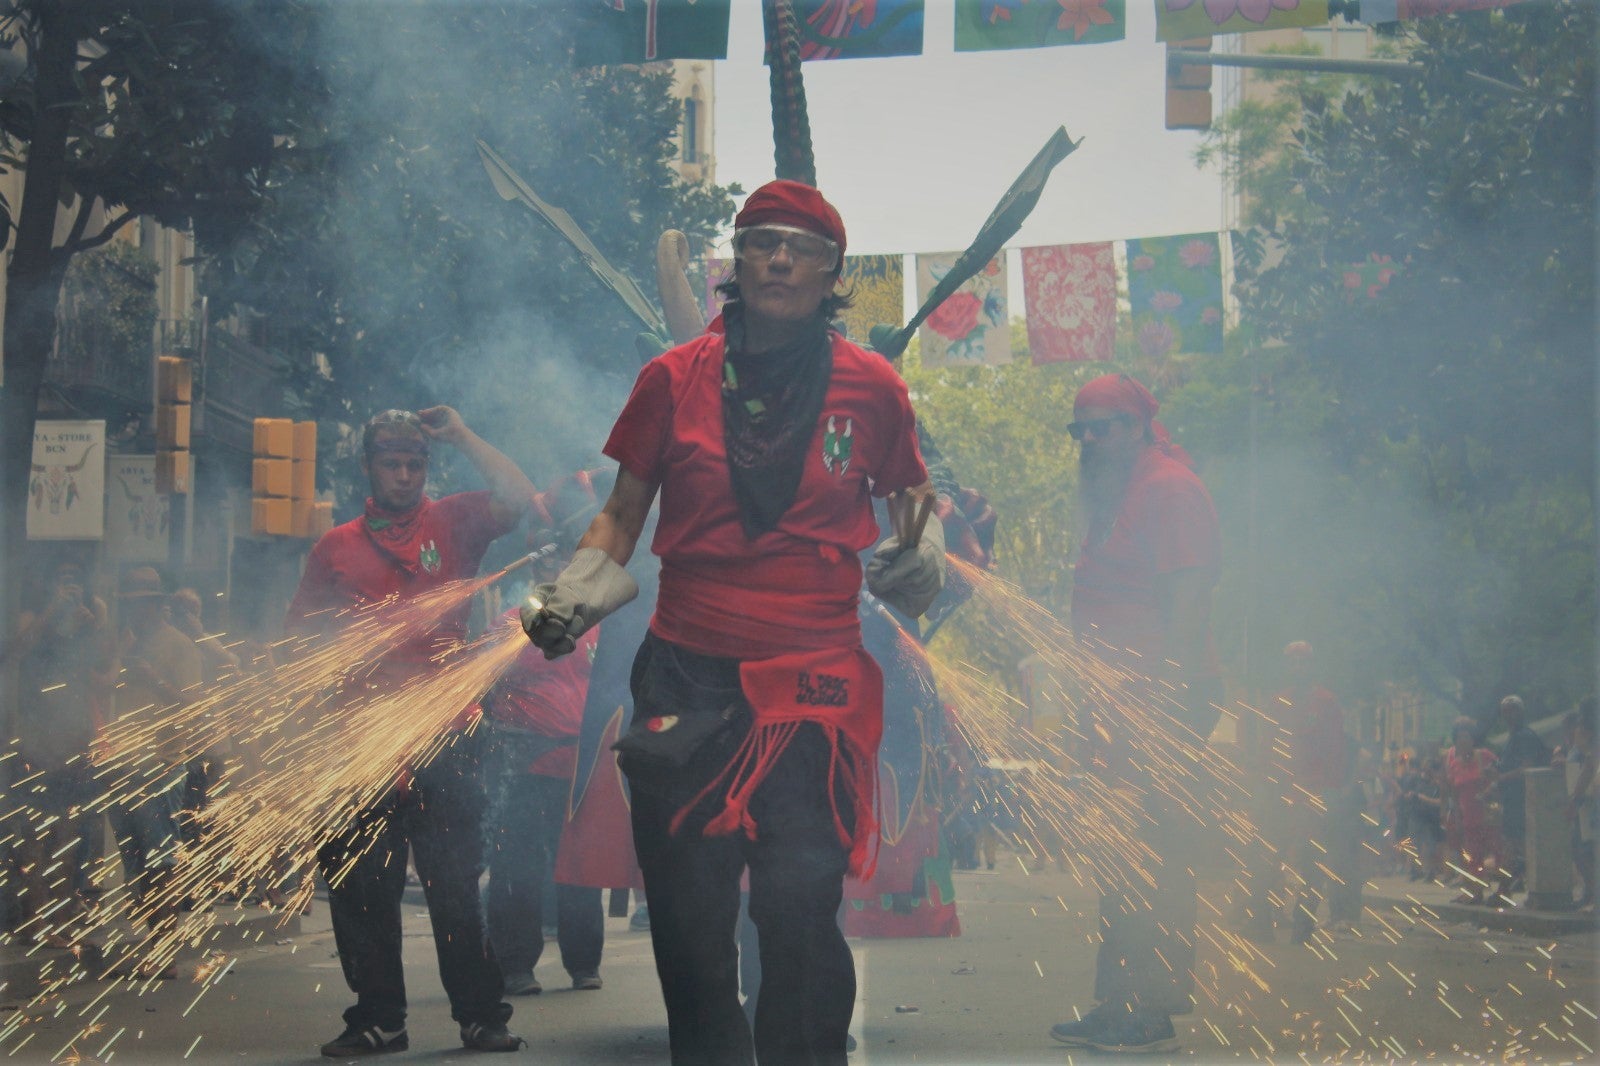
(1418, 344)
(389, 253)
(161, 108)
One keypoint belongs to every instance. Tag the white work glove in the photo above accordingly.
(909, 579)
(591, 587)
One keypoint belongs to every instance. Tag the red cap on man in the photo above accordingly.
(792, 203)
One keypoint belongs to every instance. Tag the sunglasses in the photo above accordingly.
(805, 249)
(1098, 426)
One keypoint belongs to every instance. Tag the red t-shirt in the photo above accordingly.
(795, 587)
(1317, 748)
(545, 696)
(347, 569)
(1166, 523)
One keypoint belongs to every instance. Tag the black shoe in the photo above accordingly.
(372, 1040)
(1079, 1033)
(492, 1036)
(587, 982)
(1141, 1032)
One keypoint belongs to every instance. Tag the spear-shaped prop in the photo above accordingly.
(1001, 225)
(510, 186)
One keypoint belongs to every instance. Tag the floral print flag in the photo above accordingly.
(971, 327)
(1175, 288)
(853, 29)
(1071, 293)
(982, 25)
(1179, 20)
(877, 284)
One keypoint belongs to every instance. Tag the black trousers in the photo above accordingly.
(796, 866)
(441, 820)
(1146, 955)
(526, 816)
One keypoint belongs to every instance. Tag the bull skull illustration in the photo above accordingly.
(58, 484)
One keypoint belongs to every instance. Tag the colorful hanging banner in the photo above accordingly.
(1175, 288)
(1374, 11)
(644, 31)
(717, 271)
(67, 481)
(971, 327)
(136, 514)
(1178, 20)
(878, 287)
(854, 29)
(982, 25)
(1368, 279)
(1071, 294)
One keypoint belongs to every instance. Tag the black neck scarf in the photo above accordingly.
(770, 405)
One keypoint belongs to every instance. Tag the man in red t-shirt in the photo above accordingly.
(404, 544)
(1142, 600)
(757, 713)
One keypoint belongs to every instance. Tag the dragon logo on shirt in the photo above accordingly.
(428, 557)
(836, 445)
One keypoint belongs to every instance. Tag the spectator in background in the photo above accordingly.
(160, 671)
(1522, 751)
(217, 666)
(1469, 773)
(534, 714)
(1427, 819)
(63, 656)
(1583, 802)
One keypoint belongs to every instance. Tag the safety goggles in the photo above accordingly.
(805, 249)
(1098, 426)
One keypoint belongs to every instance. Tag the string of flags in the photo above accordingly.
(635, 31)
(1174, 288)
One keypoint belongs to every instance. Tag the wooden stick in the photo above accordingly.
(922, 520)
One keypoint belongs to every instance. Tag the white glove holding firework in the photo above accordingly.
(590, 588)
(909, 579)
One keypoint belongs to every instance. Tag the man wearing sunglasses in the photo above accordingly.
(757, 713)
(1142, 600)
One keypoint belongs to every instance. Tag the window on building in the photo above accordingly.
(691, 130)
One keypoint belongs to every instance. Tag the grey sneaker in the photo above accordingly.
(490, 1036)
(523, 984)
(1091, 1025)
(587, 982)
(354, 1042)
(640, 922)
(1141, 1032)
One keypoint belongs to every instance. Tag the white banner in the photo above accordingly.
(67, 485)
(136, 514)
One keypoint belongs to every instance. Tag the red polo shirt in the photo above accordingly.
(794, 587)
(1166, 523)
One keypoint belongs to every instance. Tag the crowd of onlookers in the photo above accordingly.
(1460, 815)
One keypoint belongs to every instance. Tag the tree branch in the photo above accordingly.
(103, 237)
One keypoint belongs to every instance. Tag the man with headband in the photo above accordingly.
(1141, 600)
(404, 545)
(757, 713)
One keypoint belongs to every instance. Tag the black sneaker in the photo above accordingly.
(1091, 1025)
(491, 1036)
(354, 1042)
(1138, 1033)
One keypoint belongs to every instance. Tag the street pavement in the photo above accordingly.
(1416, 982)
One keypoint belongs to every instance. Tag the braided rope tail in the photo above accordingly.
(791, 126)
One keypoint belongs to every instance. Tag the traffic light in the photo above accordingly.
(283, 481)
(1188, 88)
(174, 394)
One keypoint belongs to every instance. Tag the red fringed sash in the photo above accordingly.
(841, 690)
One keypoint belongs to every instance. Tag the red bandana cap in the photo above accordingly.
(792, 203)
(1120, 392)
(1117, 392)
